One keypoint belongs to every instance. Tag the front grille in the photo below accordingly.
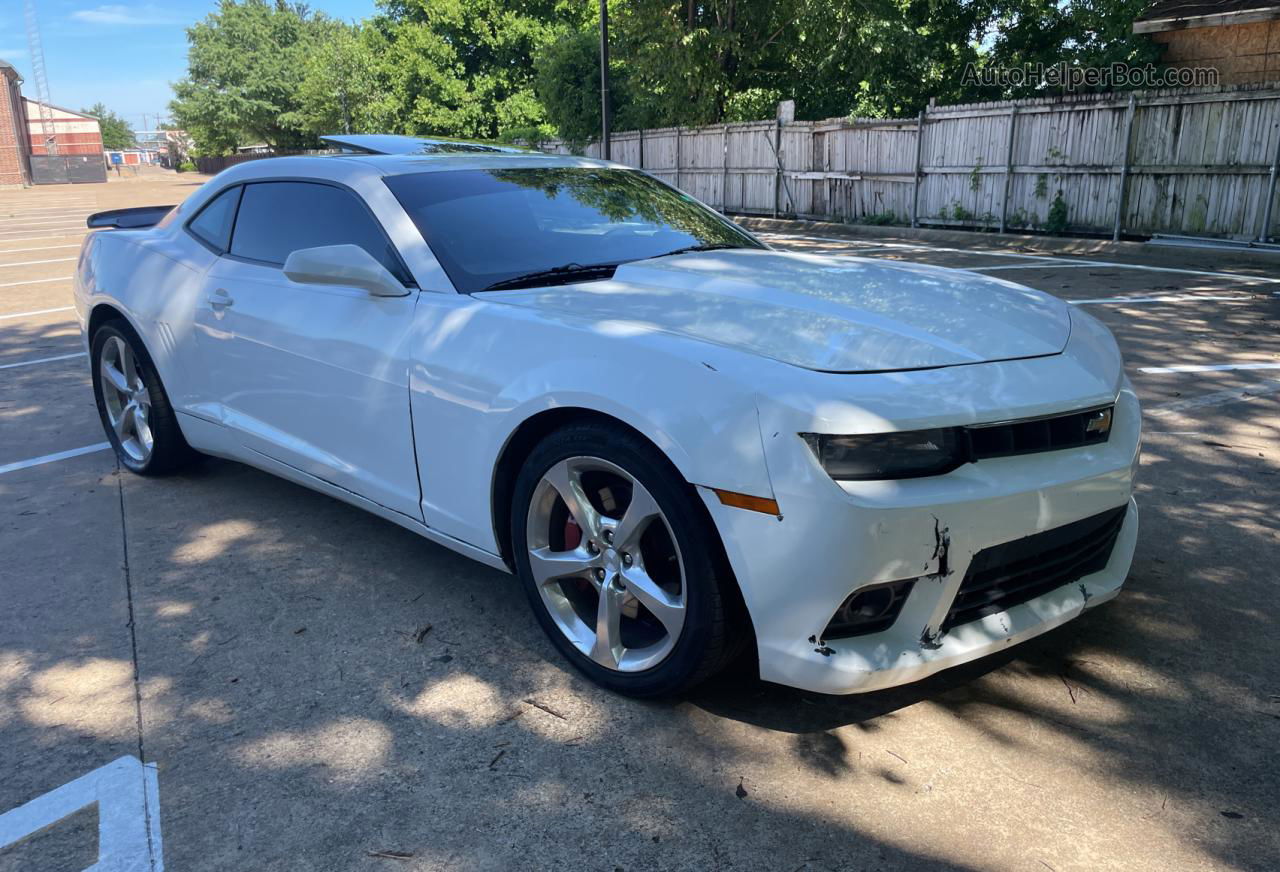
(1072, 430)
(1006, 575)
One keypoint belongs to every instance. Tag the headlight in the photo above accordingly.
(917, 453)
(876, 456)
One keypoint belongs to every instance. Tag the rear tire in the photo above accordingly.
(629, 585)
(133, 405)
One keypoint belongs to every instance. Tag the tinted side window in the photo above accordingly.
(213, 224)
(279, 218)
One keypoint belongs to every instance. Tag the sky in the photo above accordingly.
(124, 54)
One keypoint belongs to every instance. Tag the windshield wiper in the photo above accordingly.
(557, 275)
(706, 246)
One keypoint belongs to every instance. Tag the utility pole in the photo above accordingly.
(604, 80)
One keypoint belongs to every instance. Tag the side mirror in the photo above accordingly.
(347, 265)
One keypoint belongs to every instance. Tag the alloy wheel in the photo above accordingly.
(126, 398)
(606, 564)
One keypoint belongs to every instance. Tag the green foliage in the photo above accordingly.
(1020, 219)
(1056, 221)
(975, 176)
(1087, 33)
(958, 212)
(879, 219)
(246, 65)
(567, 85)
(187, 166)
(465, 67)
(116, 132)
(752, 104)
(340, 87)
(274, 71)
(1042, 186)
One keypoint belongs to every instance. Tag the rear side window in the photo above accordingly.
(213, 225)
(279, 218)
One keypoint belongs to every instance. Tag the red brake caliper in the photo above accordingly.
(572, 534)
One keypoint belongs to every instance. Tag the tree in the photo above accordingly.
(246, 65)
(688, 60)
(1088, 33)
(567, 85)
(116, 132)
(465, 67)
(340, 88)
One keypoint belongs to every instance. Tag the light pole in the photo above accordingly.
(604, 80)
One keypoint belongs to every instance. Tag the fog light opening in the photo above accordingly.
(868, 610)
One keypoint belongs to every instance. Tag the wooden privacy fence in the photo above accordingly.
(1184, 163)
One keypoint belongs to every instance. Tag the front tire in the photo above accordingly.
(133, 405)
(619, 562)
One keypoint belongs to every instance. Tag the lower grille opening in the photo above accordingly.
(1003, 576)
(869, 610)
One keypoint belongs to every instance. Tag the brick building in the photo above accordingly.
(15, 144)
(73, 132)
(26, 157)
(1241, 38)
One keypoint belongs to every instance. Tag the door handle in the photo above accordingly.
(220, 300)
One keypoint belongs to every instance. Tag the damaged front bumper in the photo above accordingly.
(836, 538)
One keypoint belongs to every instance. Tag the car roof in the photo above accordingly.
(392, 143)
(392, 154)
(399, 164)
(352, 168)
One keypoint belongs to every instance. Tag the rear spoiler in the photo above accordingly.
(128, 219)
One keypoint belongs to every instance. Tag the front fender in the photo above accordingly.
(487, 368)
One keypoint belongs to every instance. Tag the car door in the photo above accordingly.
(313, 376)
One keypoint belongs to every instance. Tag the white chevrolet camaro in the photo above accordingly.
(686, 445)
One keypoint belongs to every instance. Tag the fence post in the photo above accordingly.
(1124, 166)
(641, 148)
(1264, 228)
(724, 169)
(678, 157)
(777, 164)
(1008, 169)
(915, 187)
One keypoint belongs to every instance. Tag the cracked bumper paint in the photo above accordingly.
(835, 538)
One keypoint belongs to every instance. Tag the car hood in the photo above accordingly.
(834, 314)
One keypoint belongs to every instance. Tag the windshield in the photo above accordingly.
(521, 227)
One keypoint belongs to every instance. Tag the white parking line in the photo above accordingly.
(39, 247)
(53, 458)
(1217, 398)
(1104, 264)
(34, 281)
(46, 236)
(33, 228)
(59, 218)
(33, 217)
(34, 262)
(1182, 298)
(1216, 367)
(42, 360)
(36, 238)
(903, 246)
(36, 312)
(1045, 260)
(127, 795)
(52, 205)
